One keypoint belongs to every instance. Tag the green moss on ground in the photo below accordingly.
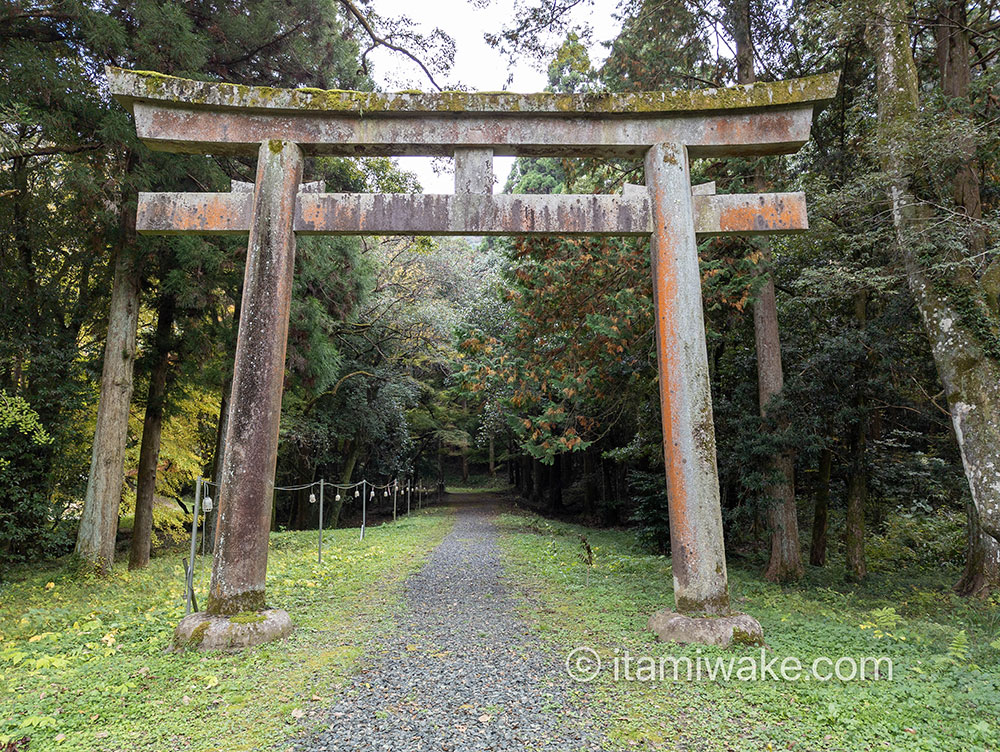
(83, 661)
(946, 673)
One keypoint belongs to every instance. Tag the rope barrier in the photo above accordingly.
(203, 504)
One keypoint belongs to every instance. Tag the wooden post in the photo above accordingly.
(319, 554)
(696, 541)
(251, 446)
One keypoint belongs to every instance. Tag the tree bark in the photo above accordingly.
(953, 307)
(952, 37)
(149, 451)
(555, 487)
(982, 559)
(857, 500)
(345, 478)
(541, 481)
(982, 563)
(857, 484)
(589, 483)
(785, 562)
(220, 429)
(821, 510)
(95, 542)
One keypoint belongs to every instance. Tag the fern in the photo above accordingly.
(958, 649)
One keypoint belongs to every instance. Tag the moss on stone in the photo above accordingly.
(742, 637)
(247, 617)
(133, 85)
(197, 635)
(715, 606)
(252, 600)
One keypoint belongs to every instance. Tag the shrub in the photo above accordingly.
(649, 494)
(26, 524)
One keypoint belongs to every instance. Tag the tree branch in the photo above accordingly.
(48, 151)
(379, 41)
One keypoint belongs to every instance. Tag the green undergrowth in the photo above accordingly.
(944, 693)
(83, 663)
(480, 485)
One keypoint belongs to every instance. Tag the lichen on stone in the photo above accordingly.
(138, 85)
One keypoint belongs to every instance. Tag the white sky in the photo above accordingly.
(477, 66)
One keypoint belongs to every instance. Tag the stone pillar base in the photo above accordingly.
(722, 631)
(201, 631)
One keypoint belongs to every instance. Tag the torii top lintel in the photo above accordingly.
(182, 115)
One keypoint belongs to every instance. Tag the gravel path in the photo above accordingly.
(461, 671)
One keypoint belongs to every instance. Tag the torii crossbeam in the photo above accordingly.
(283, 126)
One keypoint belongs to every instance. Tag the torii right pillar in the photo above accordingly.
(698, 553)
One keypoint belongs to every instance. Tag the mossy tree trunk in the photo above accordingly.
(982, 561)
(953, 302)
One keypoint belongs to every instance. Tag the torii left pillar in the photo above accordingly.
(251, 447)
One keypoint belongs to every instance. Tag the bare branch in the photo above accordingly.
(380, 41)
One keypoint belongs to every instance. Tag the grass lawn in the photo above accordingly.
(83, 667)
(944, 695)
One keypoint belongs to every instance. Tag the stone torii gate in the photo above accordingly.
(283, 126)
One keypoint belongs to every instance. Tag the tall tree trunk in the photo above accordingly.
(345, 478)
(493, 462)
(785, 562)
(982, 562)
(152, 425)
(953, 306)
(821, 510)
(220, 427)
(541, 481)
(556, 486)
(857, 484)
(26, 304)
(440, 468)
(95, 542)
(982, 559)
(952, 36)
(589, 483)
(857, 500)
